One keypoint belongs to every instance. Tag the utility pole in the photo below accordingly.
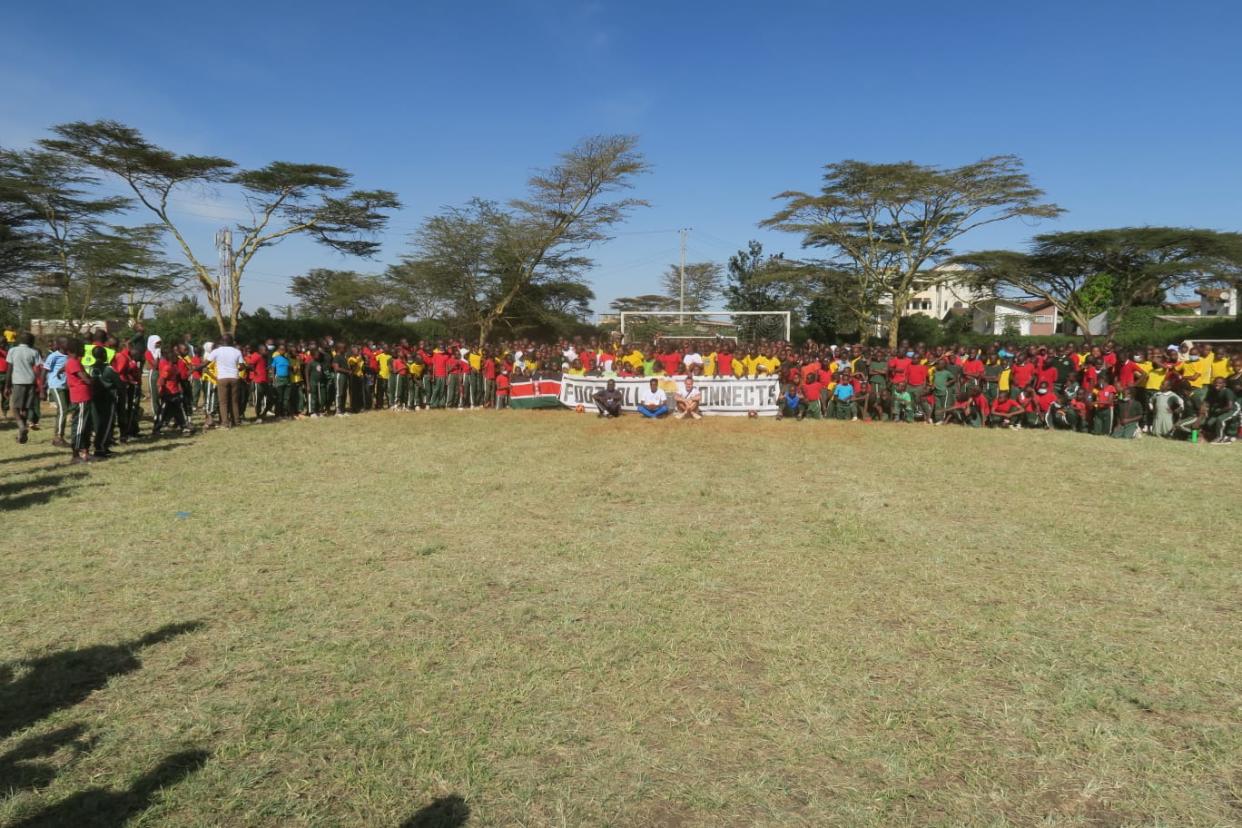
(681, 309)
(224, 272)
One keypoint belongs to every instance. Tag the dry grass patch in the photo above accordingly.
(566, 621)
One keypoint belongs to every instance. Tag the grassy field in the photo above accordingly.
(537, 618)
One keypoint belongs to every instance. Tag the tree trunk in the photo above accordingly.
(894, 325)
(1082, 320)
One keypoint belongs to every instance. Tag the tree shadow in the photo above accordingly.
(40, 497)
(24, 458)
(12, 488)
(129, 450)
(19, 772)
(107, 808)
(446, 812)
(66, 678)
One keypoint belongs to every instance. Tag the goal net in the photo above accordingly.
(704, 326)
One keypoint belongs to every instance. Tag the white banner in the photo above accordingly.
(721, 395)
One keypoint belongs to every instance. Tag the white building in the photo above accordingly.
(1218, 302)
(939, 298)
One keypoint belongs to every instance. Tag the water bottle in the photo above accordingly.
(1194, 436)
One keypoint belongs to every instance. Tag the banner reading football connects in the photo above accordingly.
(720, 395)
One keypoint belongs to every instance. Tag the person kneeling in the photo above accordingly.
(688, 401)
(654, 402)
(608, 400)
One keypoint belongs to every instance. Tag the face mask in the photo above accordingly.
(1194, 357)
(910, 353)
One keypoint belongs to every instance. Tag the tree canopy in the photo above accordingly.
(1083, 272)
(344, 294)
(484, 261)
(885, 226)
(283, 199)
(703, 285)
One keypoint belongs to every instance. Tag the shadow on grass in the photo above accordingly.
(53, 479)
(446, 812)
(66, 678)
(104, 808)
(19, 771)
(25, 458)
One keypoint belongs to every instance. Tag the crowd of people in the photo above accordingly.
(98, 385)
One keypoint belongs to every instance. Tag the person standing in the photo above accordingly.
(79, 384)
(228, 360)
(54, 376)
(105, 387)
(20, 384)
(256, 364)
(152, 360)
(282, 373)
(128, 365)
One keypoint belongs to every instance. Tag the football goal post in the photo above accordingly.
(739, 326)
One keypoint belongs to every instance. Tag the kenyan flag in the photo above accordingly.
(542, 393)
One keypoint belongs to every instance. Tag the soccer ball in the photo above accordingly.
(752, 413)
(580, 408)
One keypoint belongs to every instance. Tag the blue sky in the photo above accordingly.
(1125, 112)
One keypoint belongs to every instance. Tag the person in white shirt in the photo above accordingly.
(228, 360)
(691, 359)
(688, 401)
(653, 403)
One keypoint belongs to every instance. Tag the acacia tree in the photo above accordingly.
(645, 302)
(69, 245)
(343, 294)
(481, 258)
(124, 270)
(703, 283)
(1067, 285)
(887, 225)
(284, 199)
(1133, 265)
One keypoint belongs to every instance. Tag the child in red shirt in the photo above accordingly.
(502, 390)
(80, 391)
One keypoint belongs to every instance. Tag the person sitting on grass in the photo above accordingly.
(789, 404)
(608, 400)
(1222, 410)
(653, 403)
(688, 401)
(1006, 412)
(961, 410)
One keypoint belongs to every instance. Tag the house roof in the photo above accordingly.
(1015, 304)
